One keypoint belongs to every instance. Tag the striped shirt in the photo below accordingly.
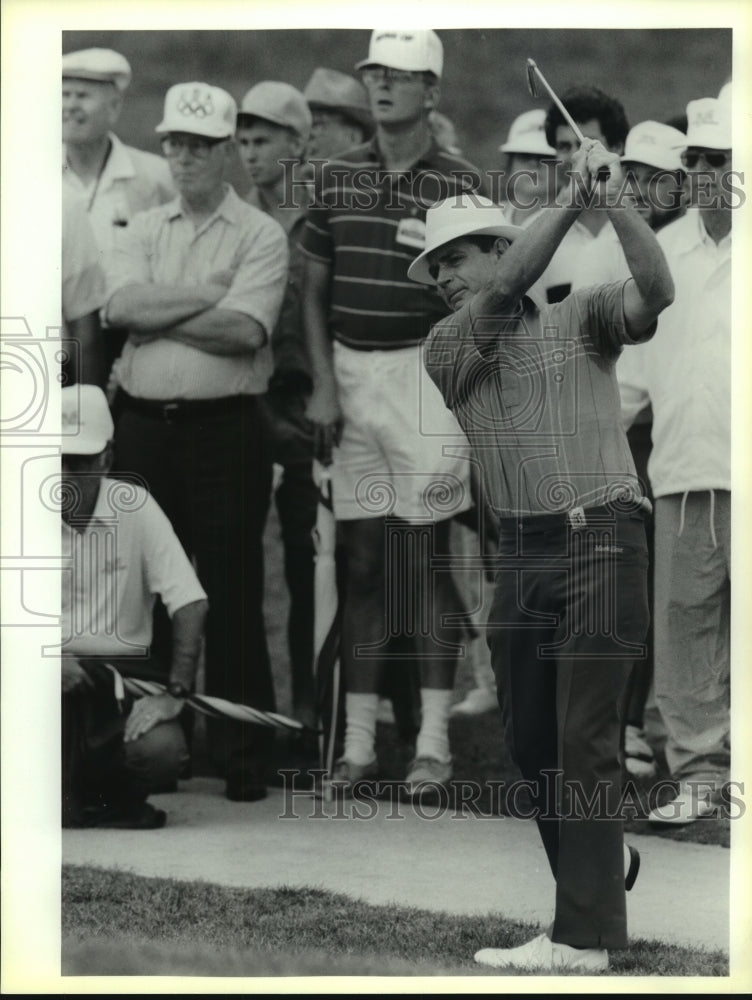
(537, 397)
(368, 224)
(163, 246)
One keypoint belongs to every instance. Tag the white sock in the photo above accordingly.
(433, 738)
(360, 730)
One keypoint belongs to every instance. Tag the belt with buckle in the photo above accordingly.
(170, 410)
(575, 517)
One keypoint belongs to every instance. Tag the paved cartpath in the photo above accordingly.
(453, 863)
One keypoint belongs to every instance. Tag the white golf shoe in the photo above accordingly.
(544, 955)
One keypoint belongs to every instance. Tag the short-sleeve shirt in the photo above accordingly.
(83, 285)
(368, 225)
(163, 247)
(537, 397)
(132, 181)
(113, 570)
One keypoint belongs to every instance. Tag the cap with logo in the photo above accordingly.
(199, 109)
(86, 421)
(459, 215)
(419, 51)
(708, 124)
(99, 65)
(278, 103)
(527, 135)
(654, 144)
(330, 90)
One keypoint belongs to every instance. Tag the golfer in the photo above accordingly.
(536, 394)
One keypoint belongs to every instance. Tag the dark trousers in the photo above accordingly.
(207, 467)
(569, 617)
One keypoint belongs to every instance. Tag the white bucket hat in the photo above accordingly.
(654, 144)
(419, 51)
(528, 135)
(459, 215)
(86, 421)
(199, 109)
(708, 124)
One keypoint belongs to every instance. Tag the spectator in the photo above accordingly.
(83, 293)
(571, 532)
(274, 124)
(370, 399)
(115, 180)
(686, 377)
(117, 557)
(199, 283)
(529, 167)
(341, 115)
(599, 117)
(656, 177)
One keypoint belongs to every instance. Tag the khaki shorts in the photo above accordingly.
(402, 453)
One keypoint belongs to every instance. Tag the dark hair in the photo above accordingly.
(585, 104)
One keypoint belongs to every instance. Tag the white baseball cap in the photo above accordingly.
(280, 104)
(459, 215)
(708, 124)
(99, 65)
(419, 51)
(199, 109)
(654, 144)
(528, 135)
(86, 421)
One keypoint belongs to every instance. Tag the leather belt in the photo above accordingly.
(174, 410)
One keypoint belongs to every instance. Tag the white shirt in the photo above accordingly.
(556, 281)
(112, 570)
(685, 370)
(132, 180)
(83, 287)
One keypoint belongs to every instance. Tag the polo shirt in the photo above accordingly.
(368, 225)
(685, 371)
(132, 180)
(112, 571)
(83, 286)
(537, 398)
(162, 246)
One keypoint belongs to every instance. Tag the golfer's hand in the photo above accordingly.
(326, 416)
(604, 166)
(73, 675)
(148, 712)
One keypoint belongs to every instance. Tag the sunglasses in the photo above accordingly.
(197, 147)
(712, 158)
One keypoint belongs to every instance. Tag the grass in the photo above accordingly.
(115, 923)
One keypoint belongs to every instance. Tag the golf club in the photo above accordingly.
(533, 75)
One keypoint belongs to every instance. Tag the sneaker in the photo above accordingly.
(543, 955)
(476, 702)
(639, 758)
(346, 775)
(426, 777)
(691, 803)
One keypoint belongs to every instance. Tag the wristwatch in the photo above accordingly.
(176, 689)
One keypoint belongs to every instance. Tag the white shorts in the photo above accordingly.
(402, 453)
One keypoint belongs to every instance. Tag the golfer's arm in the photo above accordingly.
(147, 308)
(652, 289)
(187, 633)
(526, 260)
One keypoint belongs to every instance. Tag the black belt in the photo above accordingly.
(172, 410)
(576, 517)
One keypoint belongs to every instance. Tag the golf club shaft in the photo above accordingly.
(570, 121)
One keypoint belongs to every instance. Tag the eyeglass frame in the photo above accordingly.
(696, 153)
(203, 142)
(381, 74)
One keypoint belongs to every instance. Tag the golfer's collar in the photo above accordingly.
(430, 158)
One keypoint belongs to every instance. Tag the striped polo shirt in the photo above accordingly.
(368, 224)
(537, 397)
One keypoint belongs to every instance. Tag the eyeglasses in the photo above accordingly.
(713, 158)
(198, 148)
(379, 74)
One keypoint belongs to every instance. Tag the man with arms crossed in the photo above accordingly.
(537, 396)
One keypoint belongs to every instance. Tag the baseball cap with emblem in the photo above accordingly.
(199, 109)
(99, 65)
(456, 216)
(278, 103)
(419, 51)
(86, 421)
(654, 144)
(527, 135)
(330, 90)
(708, 124)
